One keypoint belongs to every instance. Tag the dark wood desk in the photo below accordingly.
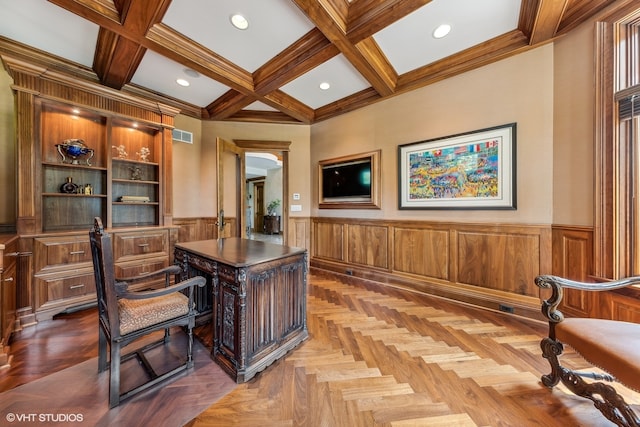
(256, 296)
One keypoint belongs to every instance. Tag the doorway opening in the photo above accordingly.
(264, 196)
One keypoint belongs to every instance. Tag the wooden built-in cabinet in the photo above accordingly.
(125, 179)
(63, 269)
(114, 171)
(8, 256)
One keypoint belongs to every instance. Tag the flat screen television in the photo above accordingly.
(349, 182)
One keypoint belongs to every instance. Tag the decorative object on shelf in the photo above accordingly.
(88, 189)
(69, 187)
(72, 149)
(134, 199)
(143, 154)
(272, 206)
(122, 153)
(136, 173)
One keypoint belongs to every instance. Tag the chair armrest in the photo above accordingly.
(189, 283)
(556, 284)
(172, 269)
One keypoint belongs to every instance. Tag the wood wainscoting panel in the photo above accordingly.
(487, 265)
(573, 252)
(328, 240)
(421, 251)
(368, 245)
(193, 229)
(188, 229)
(299, 232)
(505, 261)
(625, 308)
(573, 259)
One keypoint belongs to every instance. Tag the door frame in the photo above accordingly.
(240, 147)
(225, 146)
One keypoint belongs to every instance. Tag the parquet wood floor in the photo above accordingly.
(384, 357)
(376, 357)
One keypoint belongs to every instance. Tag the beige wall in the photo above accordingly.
(573, 127)
(7, 151)
(199, 199)
(187, 171)
(517, 89)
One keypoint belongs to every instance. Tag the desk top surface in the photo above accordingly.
(239, 252)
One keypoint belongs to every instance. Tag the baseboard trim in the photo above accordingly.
(496, 301)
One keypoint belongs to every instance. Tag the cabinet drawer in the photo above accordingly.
(67, 287)
(8, 285)
(137, 244)
(133, 269)
(61, 252)
(9, 256)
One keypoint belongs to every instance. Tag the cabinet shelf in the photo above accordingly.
(137, 203)
(134, 181)
(73, 195)
(70, 166)
(134, 162)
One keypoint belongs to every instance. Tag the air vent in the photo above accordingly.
(182, 136)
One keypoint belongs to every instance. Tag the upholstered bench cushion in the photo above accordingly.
(137, 314)
(608, 344)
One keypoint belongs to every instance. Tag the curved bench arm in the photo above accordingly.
(556, 284)
(189, 283)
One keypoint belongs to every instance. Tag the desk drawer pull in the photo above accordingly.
(76, 253)
(76, 286)
(143, 245)
(9, 279)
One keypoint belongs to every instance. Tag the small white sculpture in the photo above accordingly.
(122, 153)
(143, 154)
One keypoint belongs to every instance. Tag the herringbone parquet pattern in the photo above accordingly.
(397, 359)
(376, 356)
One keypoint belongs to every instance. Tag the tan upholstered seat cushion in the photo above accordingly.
(137, 314)
(608, 344)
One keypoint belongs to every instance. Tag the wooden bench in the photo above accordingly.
(611, 345)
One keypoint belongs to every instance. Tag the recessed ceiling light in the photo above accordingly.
(441, 31)
(191, 73)
(324, 85)
(182, 82)
(239, 21)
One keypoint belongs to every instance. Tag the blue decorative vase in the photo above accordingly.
(72, 149)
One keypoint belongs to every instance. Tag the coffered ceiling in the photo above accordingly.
(366, 50)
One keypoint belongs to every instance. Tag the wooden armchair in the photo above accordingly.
(611, 345)
(126, 316)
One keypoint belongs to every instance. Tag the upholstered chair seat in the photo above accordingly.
(138, 314)
(610, 344)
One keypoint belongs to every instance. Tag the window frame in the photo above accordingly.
(617, 209)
